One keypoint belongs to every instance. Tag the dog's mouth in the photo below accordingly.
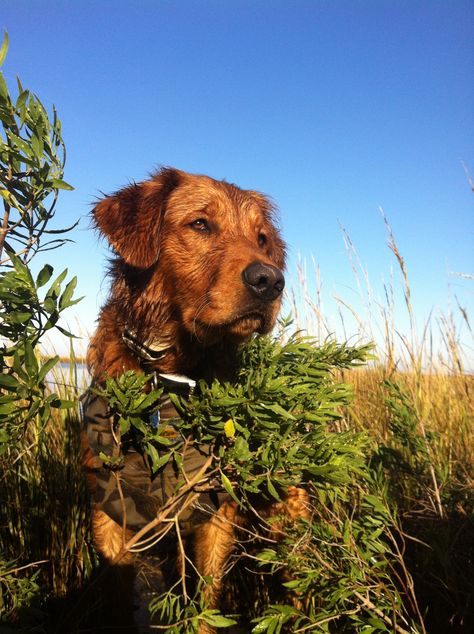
(251, 317)
(245, 325)
(239, 327)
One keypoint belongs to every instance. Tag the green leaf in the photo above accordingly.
(124, 424)
(263, 625)
(9, 198)
(376, 503)
(19, 317)
(22, 97)
(3, 89)
(278, 409)
(111, 461)
(55, 287)
(214, 618)
(58, 183)
(66, 332)
(18, 366)
(4, 436)
(44, 275)
(20, 144)
(9, 382)
(68, 293)
(157, 461)
(49, 305)
(150, 399)
(23, 272)
(31, 362)
(62, 403)
(241, 449)
(37, 146)
(226, 483)
(162, 460)
(4, 49)
(271, 489)
(35, 407)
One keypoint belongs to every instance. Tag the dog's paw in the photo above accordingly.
(293, 507)
(297, 503)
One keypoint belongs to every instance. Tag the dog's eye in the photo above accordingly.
(262, 240)
(200, 224)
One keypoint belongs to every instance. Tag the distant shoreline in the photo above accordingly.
(68, 360)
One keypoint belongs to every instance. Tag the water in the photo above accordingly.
(63, 380)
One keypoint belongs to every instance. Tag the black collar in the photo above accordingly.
(148, 350)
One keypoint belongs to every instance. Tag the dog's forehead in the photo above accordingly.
(218, 198)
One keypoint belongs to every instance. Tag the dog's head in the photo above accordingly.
(207, 249)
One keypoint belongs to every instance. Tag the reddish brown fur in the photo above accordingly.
(170, 280)
(173, 281)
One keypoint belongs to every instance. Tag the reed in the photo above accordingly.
(415, 399)
(45, 517)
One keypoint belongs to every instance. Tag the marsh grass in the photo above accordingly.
(45, 543)
(415, 401)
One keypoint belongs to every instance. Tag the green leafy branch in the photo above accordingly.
(32, 158)
(270, 428)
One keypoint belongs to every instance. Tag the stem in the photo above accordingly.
(4, 229)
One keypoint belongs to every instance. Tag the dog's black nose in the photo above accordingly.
(264, 280)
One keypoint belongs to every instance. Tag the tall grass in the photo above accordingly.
(416, 399)
(44, 513)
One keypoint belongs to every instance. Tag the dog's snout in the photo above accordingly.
(264, 281)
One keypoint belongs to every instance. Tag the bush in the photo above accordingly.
(272, 427)
(38, 544)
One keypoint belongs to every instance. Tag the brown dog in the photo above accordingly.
(198, 271)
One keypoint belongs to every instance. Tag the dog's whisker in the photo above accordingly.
(204, 304)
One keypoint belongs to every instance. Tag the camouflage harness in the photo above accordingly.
(144, 493)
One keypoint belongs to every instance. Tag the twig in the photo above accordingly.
(167, 509)
(15, 570)
(150, 542)
(183, 559)
(6, 215)
(368, 603)
(122, 504)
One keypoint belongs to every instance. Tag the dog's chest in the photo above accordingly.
(130, 493)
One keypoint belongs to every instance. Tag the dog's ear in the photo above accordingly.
(131, 218)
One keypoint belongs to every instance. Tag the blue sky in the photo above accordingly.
(332, 108)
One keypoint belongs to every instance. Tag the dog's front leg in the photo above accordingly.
(117, 577)
(213, 546)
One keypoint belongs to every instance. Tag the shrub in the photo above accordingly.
(38, 545)
(272, 427)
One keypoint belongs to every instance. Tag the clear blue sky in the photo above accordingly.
(332, 108)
